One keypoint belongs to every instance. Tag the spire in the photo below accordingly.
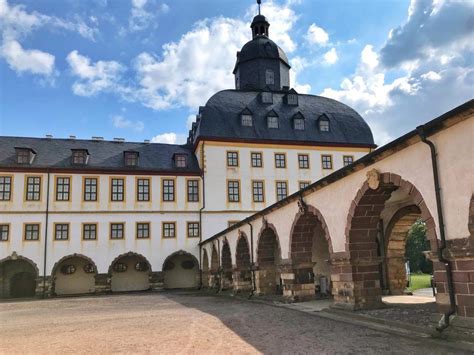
(259, 24)
(259, 2)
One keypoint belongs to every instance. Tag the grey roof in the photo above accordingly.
(103, 155)
(261, 47)
(220, 119)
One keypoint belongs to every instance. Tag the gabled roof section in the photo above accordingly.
(272, 113)
(298, 115)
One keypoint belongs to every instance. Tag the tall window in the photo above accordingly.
(232, 158)
(233, 191)
(281, 190)
(193, 190)
(303, 161)
(304, 184)
(272, 122)
(193, 229)
(299, 124)
(246, 120)
(257, 191)
(4, 231)
(280, 160)
(33, 187)
(63, 185)
(90, 189)
(61, 231)
(324, 125)
(32, 231)
(131, 158)
(117, 230)
(347, 160)
(89, 231)
(168, 190)
(269, 77)
(257, 161)
(143, 189)
(143, 230)
(169, 229)
(117, 191)
(5, 188)
(326, 161)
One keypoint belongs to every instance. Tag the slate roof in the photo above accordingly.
(103, 155)
(220, 119)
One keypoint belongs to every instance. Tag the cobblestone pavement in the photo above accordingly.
(184, 323)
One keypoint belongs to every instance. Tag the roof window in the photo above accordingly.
(323, 123)
(130, 158)
(180, 160)
(80, 156)
(298, 122)
(292, 98)
(272, 120)
(24, 155)
(246, 118)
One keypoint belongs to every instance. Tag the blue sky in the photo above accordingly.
(139, 69)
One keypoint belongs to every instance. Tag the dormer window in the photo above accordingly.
(130, 158)
(267, 97)
(269, 77)
(25, 155)
(292, 98)
(298, 122)
(246, 118)
(180, 160)
(323, 124)
(272, 120)
(80, 156)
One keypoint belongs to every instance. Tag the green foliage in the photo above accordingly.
(418, 281)
(417, 243)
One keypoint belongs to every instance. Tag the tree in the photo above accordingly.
(417, 243)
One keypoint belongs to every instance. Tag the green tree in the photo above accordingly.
(417, 243)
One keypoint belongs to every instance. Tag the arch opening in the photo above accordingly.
(181, 270)
(74, 274)
(226, 265)
(205, 268)
(243, 275)
(130, 272)
(267, 276)
(18, 278)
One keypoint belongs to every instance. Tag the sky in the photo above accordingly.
(140, 69)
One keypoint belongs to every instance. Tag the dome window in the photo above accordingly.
(266, 97)
(24, 155)
(292, 98)
(130, 158)
(269, 77)
(246, 118)
(80, 156)
(272, 120)
(180, 160)
(323, 123)
(298, 122)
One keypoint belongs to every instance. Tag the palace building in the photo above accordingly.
(90, 216)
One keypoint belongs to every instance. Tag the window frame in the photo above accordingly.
(232, 159)
(326, 120)
(63, 193)
(252, 160)
(181, 158)
(266, 95)
(163, 193)
(269, 77)
(246, 118)
(307, 183)
(276, 160)
(188, 224)
(137, 189)
(111, 224)
(308, 165)
(137, 229)
(84, 192)
(323, 162)
(40, 188)
(196, 194)
(276, 189)
(25, 225)
(297, 122)
(277, 122)
(79, 153)
(3, 192)
(131, 156)
(344, 160)
(163, 228)
(228, 182)
(8, 231)
(111, 187)
(262, 188)
(67, 230)
(83, 228)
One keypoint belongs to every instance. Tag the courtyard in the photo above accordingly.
(185, 322)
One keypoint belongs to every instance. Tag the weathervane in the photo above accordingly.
(259, 2)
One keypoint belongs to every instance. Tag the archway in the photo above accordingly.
(226, 265)
(366, 216)
(268, 259)
(205, 268)
(18, 277)
(243, 274)
(74, 274)
(181, 270)
(130, 272)
(214, 280)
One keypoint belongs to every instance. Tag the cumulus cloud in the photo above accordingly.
(317, 35)
(169, 138)
(144, 13)
(190, 120)
(331, 57)
(32, 60)
(121, 122)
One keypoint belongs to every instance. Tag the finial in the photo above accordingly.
(259, 2)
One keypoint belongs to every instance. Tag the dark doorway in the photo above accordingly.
(22, 284)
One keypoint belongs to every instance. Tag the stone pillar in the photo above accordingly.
(242, 280)
(226, 280)
(205, 279)
(102, 283)
(298, 282)
(157, 279)
(397, 277)
(42, 284)
(265, 280)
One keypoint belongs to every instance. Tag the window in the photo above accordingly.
(347, 160)
(281, 190)
(61, 231)
(232, 158)
(32, 231)
(323, 125)
(79, 156)
(143, 189)
(62, 188)
(130, 158)
(180, 160)
(89, 268)
(246, 120)
(117, 230)
(280, 160)
(168, 190)
(303, 161)
(233, 191)
(304, 184)
(298, 124)
(193, 190)
(256, 158)
(143, 230)
(326, 161)
(267, 97)
(24, 155)
(5, 188)
(33, 187)
(120, 267)
(169, 229)
(258, 191)
(269, 77)
(193, 229)
(68, 269)
(117, 191)
(90, 189)
(272, 121)
(142, 266)
(89, 231)
(292, 99)
(4, 232)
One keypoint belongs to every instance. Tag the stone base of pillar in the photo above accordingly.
(205, 279)
(227, 282)
(156, 280)
(242, 281)
(43, 287)
(265, 280)
(102, 284)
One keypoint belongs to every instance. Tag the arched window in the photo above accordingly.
(269, 77)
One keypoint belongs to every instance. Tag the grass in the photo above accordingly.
(418, 281)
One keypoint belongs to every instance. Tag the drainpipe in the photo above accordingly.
(200, 214)
(46, 236)
(252, 264)
(444, 321)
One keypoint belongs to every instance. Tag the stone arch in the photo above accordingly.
(181, 270)
(19, 277)
(80, 281)
(265, 232)
(205, 260)
(129, 277)
(267, 277)
(362, 230)
(214, 259)
(242, 253)
(226, 263)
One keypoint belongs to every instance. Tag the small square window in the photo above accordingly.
(79, 156)
(131, 158)
(4, 232)
(143, 230)
(267, 97)
(89, 231)
(292, 99)
(24, 155)
(298, 124)
(233, 159)
(32, 231)
(303, 184)
(246, 120)
(117, 230)
(193, 229)
(169, 229)
(323, 125)
(61, 231)
(303, 161)
(257, 160)
(280, 160)
(180, 160)
(272, 122)
(347, 160)
(326, 161)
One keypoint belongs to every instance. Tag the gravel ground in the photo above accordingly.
(183, 323)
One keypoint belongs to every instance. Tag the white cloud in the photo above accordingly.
(189, 121)
(169, 138)
(121, 122)
(32, 60)
(165, 8)
(369, 58)
(298, 64)
(317, 35)
(331, 57)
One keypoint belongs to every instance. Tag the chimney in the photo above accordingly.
(146, 141)
(49, 136)
(119, 140)
(72, 137)
(94, 138)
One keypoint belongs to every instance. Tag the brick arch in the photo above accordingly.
(124, 255)
(268, 238)
(226, 256)
(214, 259)
(242, 252)
(205, 260)
(75, 255)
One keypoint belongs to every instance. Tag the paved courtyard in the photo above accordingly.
(184, 323)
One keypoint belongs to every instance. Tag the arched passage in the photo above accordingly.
(18, 277)
(268, 260)
(205, 268)
(130, 272)
(74, 274)
(214, 280)
(362, 288)
(181, 270)
(243, 274)
(226, 265)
